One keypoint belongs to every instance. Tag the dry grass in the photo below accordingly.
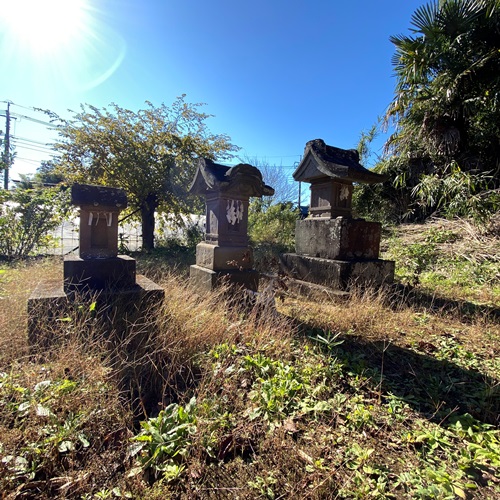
(386, 314)
(458, 260)
(433, 356)
(16, 285)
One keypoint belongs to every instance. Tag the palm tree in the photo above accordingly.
(446, 107)
(448, 83)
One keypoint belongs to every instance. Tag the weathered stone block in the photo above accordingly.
(338, 239)
(207, 279)
(220, 258)
(48, 304)
(337, 273)
(99, 274)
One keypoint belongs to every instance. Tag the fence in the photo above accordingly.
(66, 236)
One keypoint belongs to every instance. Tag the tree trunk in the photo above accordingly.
(148, 222)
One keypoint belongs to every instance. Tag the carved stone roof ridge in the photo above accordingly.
(212, 176)
(322, 160)
(98, 196)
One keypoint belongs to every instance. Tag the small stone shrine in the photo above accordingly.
(98, 272)
(333, 248)
(98, 265)
(225, 255)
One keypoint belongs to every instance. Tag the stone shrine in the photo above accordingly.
(333, 248)
(225, 255)
(98, 273)
(98, 265)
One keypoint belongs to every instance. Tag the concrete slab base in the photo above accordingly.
(50, 307)
(339, 274)
(316, 292)
(207, 279)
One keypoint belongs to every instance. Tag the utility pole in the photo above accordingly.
(6, 154)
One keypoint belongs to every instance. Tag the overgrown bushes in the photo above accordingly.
(27, 215)
(272, 224)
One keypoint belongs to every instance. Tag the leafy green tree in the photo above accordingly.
(271, 219)
(148, 153)
(446, 107)
(272, 224)
(48, 174)
(27, 215)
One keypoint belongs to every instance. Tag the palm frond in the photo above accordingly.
(459, 16)
(424, 19)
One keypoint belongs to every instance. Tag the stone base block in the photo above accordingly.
(314, 291)
(342, 238)
(337, 273)
(99, 274)
(50, 309)
(207, 279)
(219, 258)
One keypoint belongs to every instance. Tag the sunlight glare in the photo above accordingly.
(59, 45)
(45, 26)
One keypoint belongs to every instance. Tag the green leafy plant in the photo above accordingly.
(57, 434)
(281, 389)
(458, 194)
(272, 224)
(264, 485)
(26, 218)
(163, 443)
(413, 260)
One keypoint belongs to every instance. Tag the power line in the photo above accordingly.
(279, 156)
(267, 166)
(45, 151)
(31, 140)
(28, 160)
(48, 124)
(39, 148)
(23, 143)
(32, 147)
(31, 108)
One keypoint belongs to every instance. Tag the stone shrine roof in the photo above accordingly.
(241, 179)
(321, 160)
(98, 196)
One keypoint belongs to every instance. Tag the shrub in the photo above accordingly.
(27, 215)
(272, 224)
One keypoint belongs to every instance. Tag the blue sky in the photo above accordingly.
(274, 73)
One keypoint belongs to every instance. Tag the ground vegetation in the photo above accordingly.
(387, 393)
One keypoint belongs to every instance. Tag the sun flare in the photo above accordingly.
(59, 45)
(45, 26)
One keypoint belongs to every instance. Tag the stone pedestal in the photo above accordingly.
(342, 238)
(337, 274)
(207, 279)
(216, 265)
(49, 304)
(334, 249)
(97, 276)
(225, 257)
(114, 273)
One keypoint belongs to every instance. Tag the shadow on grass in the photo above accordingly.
(437, 388)
(419, 299)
